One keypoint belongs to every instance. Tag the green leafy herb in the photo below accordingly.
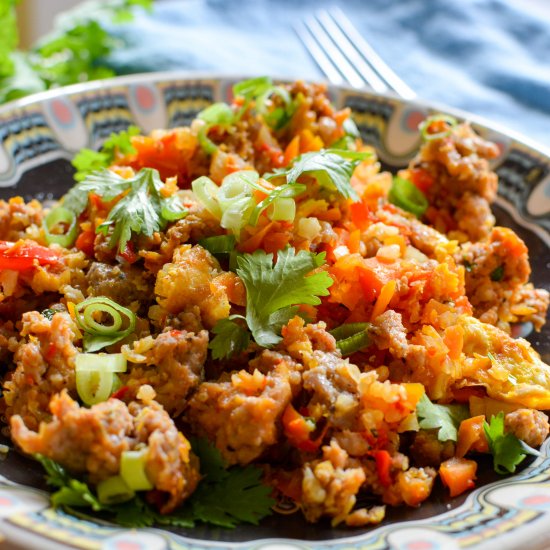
(274, 291)
(508, 451)
(445, 418)
(87, 160)
(332, 168)
(231, 338)
(74, 52)
(141, 211)
(225, 497)
(498, 273)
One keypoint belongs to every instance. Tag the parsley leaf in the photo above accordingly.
(332, 168)
(87, 160)
(274, 291)
(224, 497)
(445, 418)
(231, 338)
(508, 451)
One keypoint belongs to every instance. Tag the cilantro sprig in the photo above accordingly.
(141, 210)
(508, 451)
(332, 168)
(445, 418)
(88, 160)
(273, 294)
(225, 496)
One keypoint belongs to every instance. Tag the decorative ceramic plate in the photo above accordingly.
(38, 137)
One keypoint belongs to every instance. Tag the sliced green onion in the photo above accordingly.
(113, 490)
(354, 343)
(207, 193)
(132, 469)
(97, 335)
(288, 191)
(406, 195)
(350, 128)
(237, 185)
(352, 337)
(275, 118)
(252, 87)
(60, 215)
(348, 329)
(216, 114)
(284, 209)
(95, 386)
(105, 362)
(221, 244)
(425, 125)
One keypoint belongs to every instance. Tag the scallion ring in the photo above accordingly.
(132, 469)
(97, 334)
(424, 126)
(105, 362)
(95, 386)
(55, 217)
(406, 195)
(220, 244)
(113, 490)
(207, 192)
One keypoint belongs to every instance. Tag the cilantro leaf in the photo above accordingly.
(508, 451)
(87, 160)
(231, 338)
(225, 497)
(445, 418)
(141, 211)
(272, 290)
(332, 168)
(104, 183)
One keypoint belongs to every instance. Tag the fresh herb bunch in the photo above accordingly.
(74, 52)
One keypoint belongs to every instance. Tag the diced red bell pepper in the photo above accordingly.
(23, 255)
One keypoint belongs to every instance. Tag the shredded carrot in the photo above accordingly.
(454, 340)
(254, 242)
(292, 150)
(354, 241)
(386, 294)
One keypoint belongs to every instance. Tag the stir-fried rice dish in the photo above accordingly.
(222, 319)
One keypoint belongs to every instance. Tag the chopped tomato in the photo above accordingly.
(24, 255)
(421, 178)
(128, 253)
(383, 467)
(85, 242)
(360, 215)
(298, 429)
(458, 474)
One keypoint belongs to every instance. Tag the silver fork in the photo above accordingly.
(344, 55)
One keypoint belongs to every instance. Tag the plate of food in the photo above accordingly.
(264, 314)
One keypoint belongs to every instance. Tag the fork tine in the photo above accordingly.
(346, 46)
(377, 63)
(339, 61)
(319, 55)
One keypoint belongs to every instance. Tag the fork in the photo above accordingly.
(345, 57)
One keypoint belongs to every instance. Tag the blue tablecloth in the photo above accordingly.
(489, 57)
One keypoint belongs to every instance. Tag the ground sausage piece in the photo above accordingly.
(122, 285)
(91, 441)
(172, 363)
(241, 414)
(171, 466)
(44, 366)
(529, 425)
